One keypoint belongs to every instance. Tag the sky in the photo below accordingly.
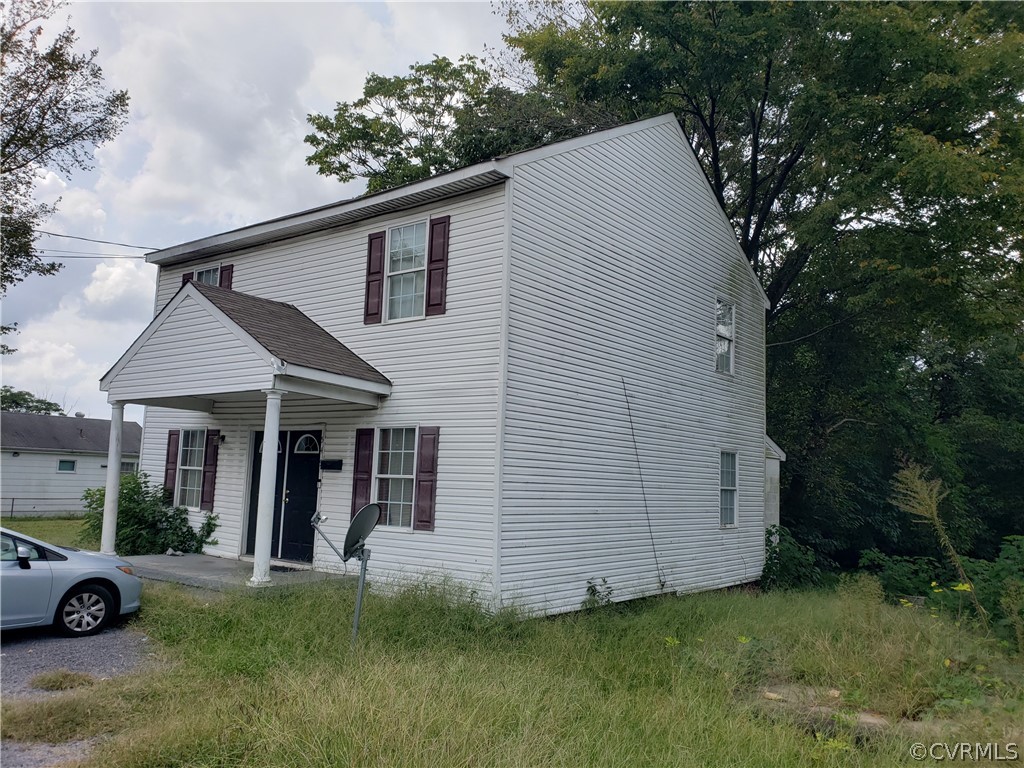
(219, 97)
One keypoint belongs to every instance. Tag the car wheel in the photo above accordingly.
(85, 610)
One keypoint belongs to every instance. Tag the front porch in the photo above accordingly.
(211, 351)
(218, 573)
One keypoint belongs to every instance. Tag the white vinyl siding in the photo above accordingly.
(31, 485)
(612, 297)
(445, 372)
(191, 346)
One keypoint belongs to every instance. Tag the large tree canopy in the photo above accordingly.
(22, 401)
(55, 110)
(871, 159)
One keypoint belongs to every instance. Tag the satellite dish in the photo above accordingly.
(359, 529)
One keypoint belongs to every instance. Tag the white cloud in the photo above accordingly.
(219, 98)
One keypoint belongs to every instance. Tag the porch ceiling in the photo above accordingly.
(211, 344)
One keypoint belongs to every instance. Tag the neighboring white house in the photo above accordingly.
(46, 462)
(548, 368)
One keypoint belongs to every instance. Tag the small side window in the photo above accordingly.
(67, 465)
(725, 336)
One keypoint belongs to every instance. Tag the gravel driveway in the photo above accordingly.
(26, 653)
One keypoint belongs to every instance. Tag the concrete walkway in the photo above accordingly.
(218, 573)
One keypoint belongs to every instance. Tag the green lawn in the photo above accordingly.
(60, 531)
(266, 678)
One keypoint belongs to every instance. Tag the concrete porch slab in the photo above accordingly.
(217, 573)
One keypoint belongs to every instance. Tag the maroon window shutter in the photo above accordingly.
(426, 480)
(374, 303)
(437, 265)
(210, 469)
(227, 271)
(171, 465)
(362, 477)
(187, 278)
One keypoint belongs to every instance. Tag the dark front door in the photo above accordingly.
(298, 474)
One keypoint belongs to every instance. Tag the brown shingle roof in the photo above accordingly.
(41, 432)
(289, 335)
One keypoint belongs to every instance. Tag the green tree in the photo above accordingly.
(400, 130)
(21, 401)
(55, 110)
(439, 117)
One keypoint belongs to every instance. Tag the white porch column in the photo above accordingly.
(265, 498)
(113, 490)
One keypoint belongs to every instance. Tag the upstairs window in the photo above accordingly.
(727, 490)
(67, 465)
(406, 271)
(209, 276)
(221, 275)
(725, 336)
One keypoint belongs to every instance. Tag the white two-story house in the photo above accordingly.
(548, 369)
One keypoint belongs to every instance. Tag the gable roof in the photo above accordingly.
(289, 335)
(42, 432)
(416, 193)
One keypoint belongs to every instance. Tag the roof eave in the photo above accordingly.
(335, 215)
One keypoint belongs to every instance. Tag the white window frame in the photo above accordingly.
(132, 467)
(729, 338)
(216, 275)
(179, 501)
(724, 489)
(302, 437)
(74, 466)
(377, 476)
(388, 274)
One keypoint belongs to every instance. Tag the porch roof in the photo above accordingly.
(212, 344)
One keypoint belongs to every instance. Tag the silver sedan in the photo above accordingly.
(78, 592)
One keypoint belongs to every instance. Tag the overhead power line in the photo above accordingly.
(89, 254)
(104, 242)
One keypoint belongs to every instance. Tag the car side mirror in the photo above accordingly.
(23, 556)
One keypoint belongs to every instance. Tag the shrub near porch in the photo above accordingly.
(146, 524)
(267, 678)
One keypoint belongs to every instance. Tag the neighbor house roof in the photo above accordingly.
(40, 432)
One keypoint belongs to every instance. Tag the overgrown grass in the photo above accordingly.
(61, 680)
(267, 679)
(60, 531)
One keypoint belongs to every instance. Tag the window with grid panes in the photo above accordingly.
(396, 474)
(725, 336)
(406, 271)
(727, 490)
(189, 488)
(209, 276)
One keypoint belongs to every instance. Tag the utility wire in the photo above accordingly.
(99, 256)
(93, 254)
(643, 490)
(90, 240)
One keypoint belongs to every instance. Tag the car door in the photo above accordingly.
(24, 592)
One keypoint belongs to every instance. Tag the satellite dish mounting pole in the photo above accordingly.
(361, 526)
(362, 555)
